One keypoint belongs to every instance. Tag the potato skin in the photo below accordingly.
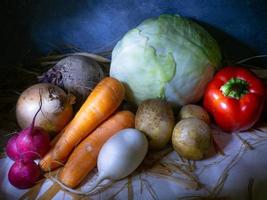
(155, 118)
(191, 138)
(192, 110)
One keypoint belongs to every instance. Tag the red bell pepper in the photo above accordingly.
(235, 98)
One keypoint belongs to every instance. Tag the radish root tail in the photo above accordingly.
(91, 190)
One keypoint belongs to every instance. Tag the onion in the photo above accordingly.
(56, 107)
(23, 174)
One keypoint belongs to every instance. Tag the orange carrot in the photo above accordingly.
(83, 159)
(101, 103)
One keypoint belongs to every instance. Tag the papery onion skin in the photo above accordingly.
(56, 108)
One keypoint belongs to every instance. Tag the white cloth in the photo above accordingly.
(243, 171)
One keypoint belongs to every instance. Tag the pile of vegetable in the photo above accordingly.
(165, 68)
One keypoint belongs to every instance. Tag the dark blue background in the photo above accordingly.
(34, 28)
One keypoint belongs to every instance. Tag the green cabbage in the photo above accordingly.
(169, 57)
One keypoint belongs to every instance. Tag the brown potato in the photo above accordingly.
(191, 138)
(192, 110)
(155, 118)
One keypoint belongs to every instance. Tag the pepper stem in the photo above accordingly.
(235, 88)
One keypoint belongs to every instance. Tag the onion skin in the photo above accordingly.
(24, 174)
(56, 107)
(11, 148)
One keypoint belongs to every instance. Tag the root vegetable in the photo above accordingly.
(31, 143)
(76, 74)
(24, 174)
(155, 118)
(192, 110)
(118, 157)
(191, 138)
(56, 107)
(11, 148)
(121, 154)
(83, 159)
(101, 103)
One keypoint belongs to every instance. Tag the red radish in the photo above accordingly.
(23, 174)
(11, 148)
(31, 143)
